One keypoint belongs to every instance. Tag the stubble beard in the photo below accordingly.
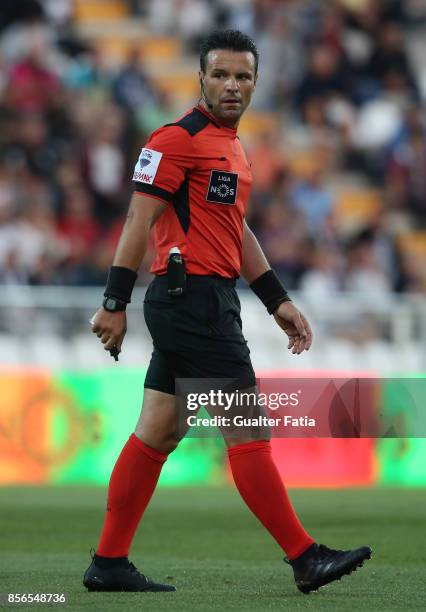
(230, 116)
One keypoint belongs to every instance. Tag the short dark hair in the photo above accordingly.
(234, 40)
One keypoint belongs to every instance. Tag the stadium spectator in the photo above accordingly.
(412, 276)
(364, 274)
(87, 73)
(132, 87)
(389, 56)
(33, 146)
(194, 28)
(324, 79)
(311, 198)
(59, 12)
(162, 16)
(8, 230)
(77, 224)
(323, 276)
(19, 12)
(406, 171)
(324, 132)
(104, 165)
(11, 272)
(266, 158)
(38, 247)
(32, 85)
(283, 232)
(279, 46)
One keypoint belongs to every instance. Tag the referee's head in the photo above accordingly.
(228, 73)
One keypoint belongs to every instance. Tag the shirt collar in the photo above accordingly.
(215, 121)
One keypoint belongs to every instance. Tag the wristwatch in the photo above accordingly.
(112, 304)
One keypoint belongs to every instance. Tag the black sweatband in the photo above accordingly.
(120, 283)
(269, 290)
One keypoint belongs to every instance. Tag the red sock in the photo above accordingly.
(132, 483)
(261, 487)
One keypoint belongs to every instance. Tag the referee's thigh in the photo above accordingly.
(157, 424)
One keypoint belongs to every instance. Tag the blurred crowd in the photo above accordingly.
(345, 79)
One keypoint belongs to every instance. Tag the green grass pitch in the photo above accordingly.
(206, 542)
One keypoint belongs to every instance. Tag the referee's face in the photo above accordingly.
(228, 84)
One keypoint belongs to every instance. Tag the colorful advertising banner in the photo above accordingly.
(69, 427)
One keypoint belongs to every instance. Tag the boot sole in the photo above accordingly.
(314, 586)
(100, 588)
(106, 590)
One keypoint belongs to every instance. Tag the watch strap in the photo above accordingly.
(113, 304)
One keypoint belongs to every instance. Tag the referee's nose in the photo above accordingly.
(232, 84)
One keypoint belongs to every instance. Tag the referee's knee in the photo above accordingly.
(264, 435)
(163, 443)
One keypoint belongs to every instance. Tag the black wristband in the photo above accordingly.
(120, 283)
(269, 290)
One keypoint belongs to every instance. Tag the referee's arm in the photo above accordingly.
(254, 262)
(143, 213)
(287, 316)
(110, 327)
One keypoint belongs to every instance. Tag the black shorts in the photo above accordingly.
(196, 335)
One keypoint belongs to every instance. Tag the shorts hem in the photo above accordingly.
(159, 388)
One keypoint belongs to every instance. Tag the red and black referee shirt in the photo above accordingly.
(199, 168)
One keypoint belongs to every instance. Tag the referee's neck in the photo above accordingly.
(230, 125)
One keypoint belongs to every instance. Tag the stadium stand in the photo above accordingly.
(339, 202)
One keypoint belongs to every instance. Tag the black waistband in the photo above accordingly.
(201, 279)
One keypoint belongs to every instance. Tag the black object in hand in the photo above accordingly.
(114, 353)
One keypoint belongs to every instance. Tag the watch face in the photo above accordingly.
(110, 304)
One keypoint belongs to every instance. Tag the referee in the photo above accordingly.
(192, 185)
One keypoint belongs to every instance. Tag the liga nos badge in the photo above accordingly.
(222, 187)
(147, 166)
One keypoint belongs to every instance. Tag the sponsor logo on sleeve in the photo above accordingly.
(147, 166)
(222, 187)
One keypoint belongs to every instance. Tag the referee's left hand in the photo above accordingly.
(296, 326)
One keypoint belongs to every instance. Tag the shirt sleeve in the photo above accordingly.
(164, 162)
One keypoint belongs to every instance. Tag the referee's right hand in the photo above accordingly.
(110, 327)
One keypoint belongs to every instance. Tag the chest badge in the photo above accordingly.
(222, 187)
